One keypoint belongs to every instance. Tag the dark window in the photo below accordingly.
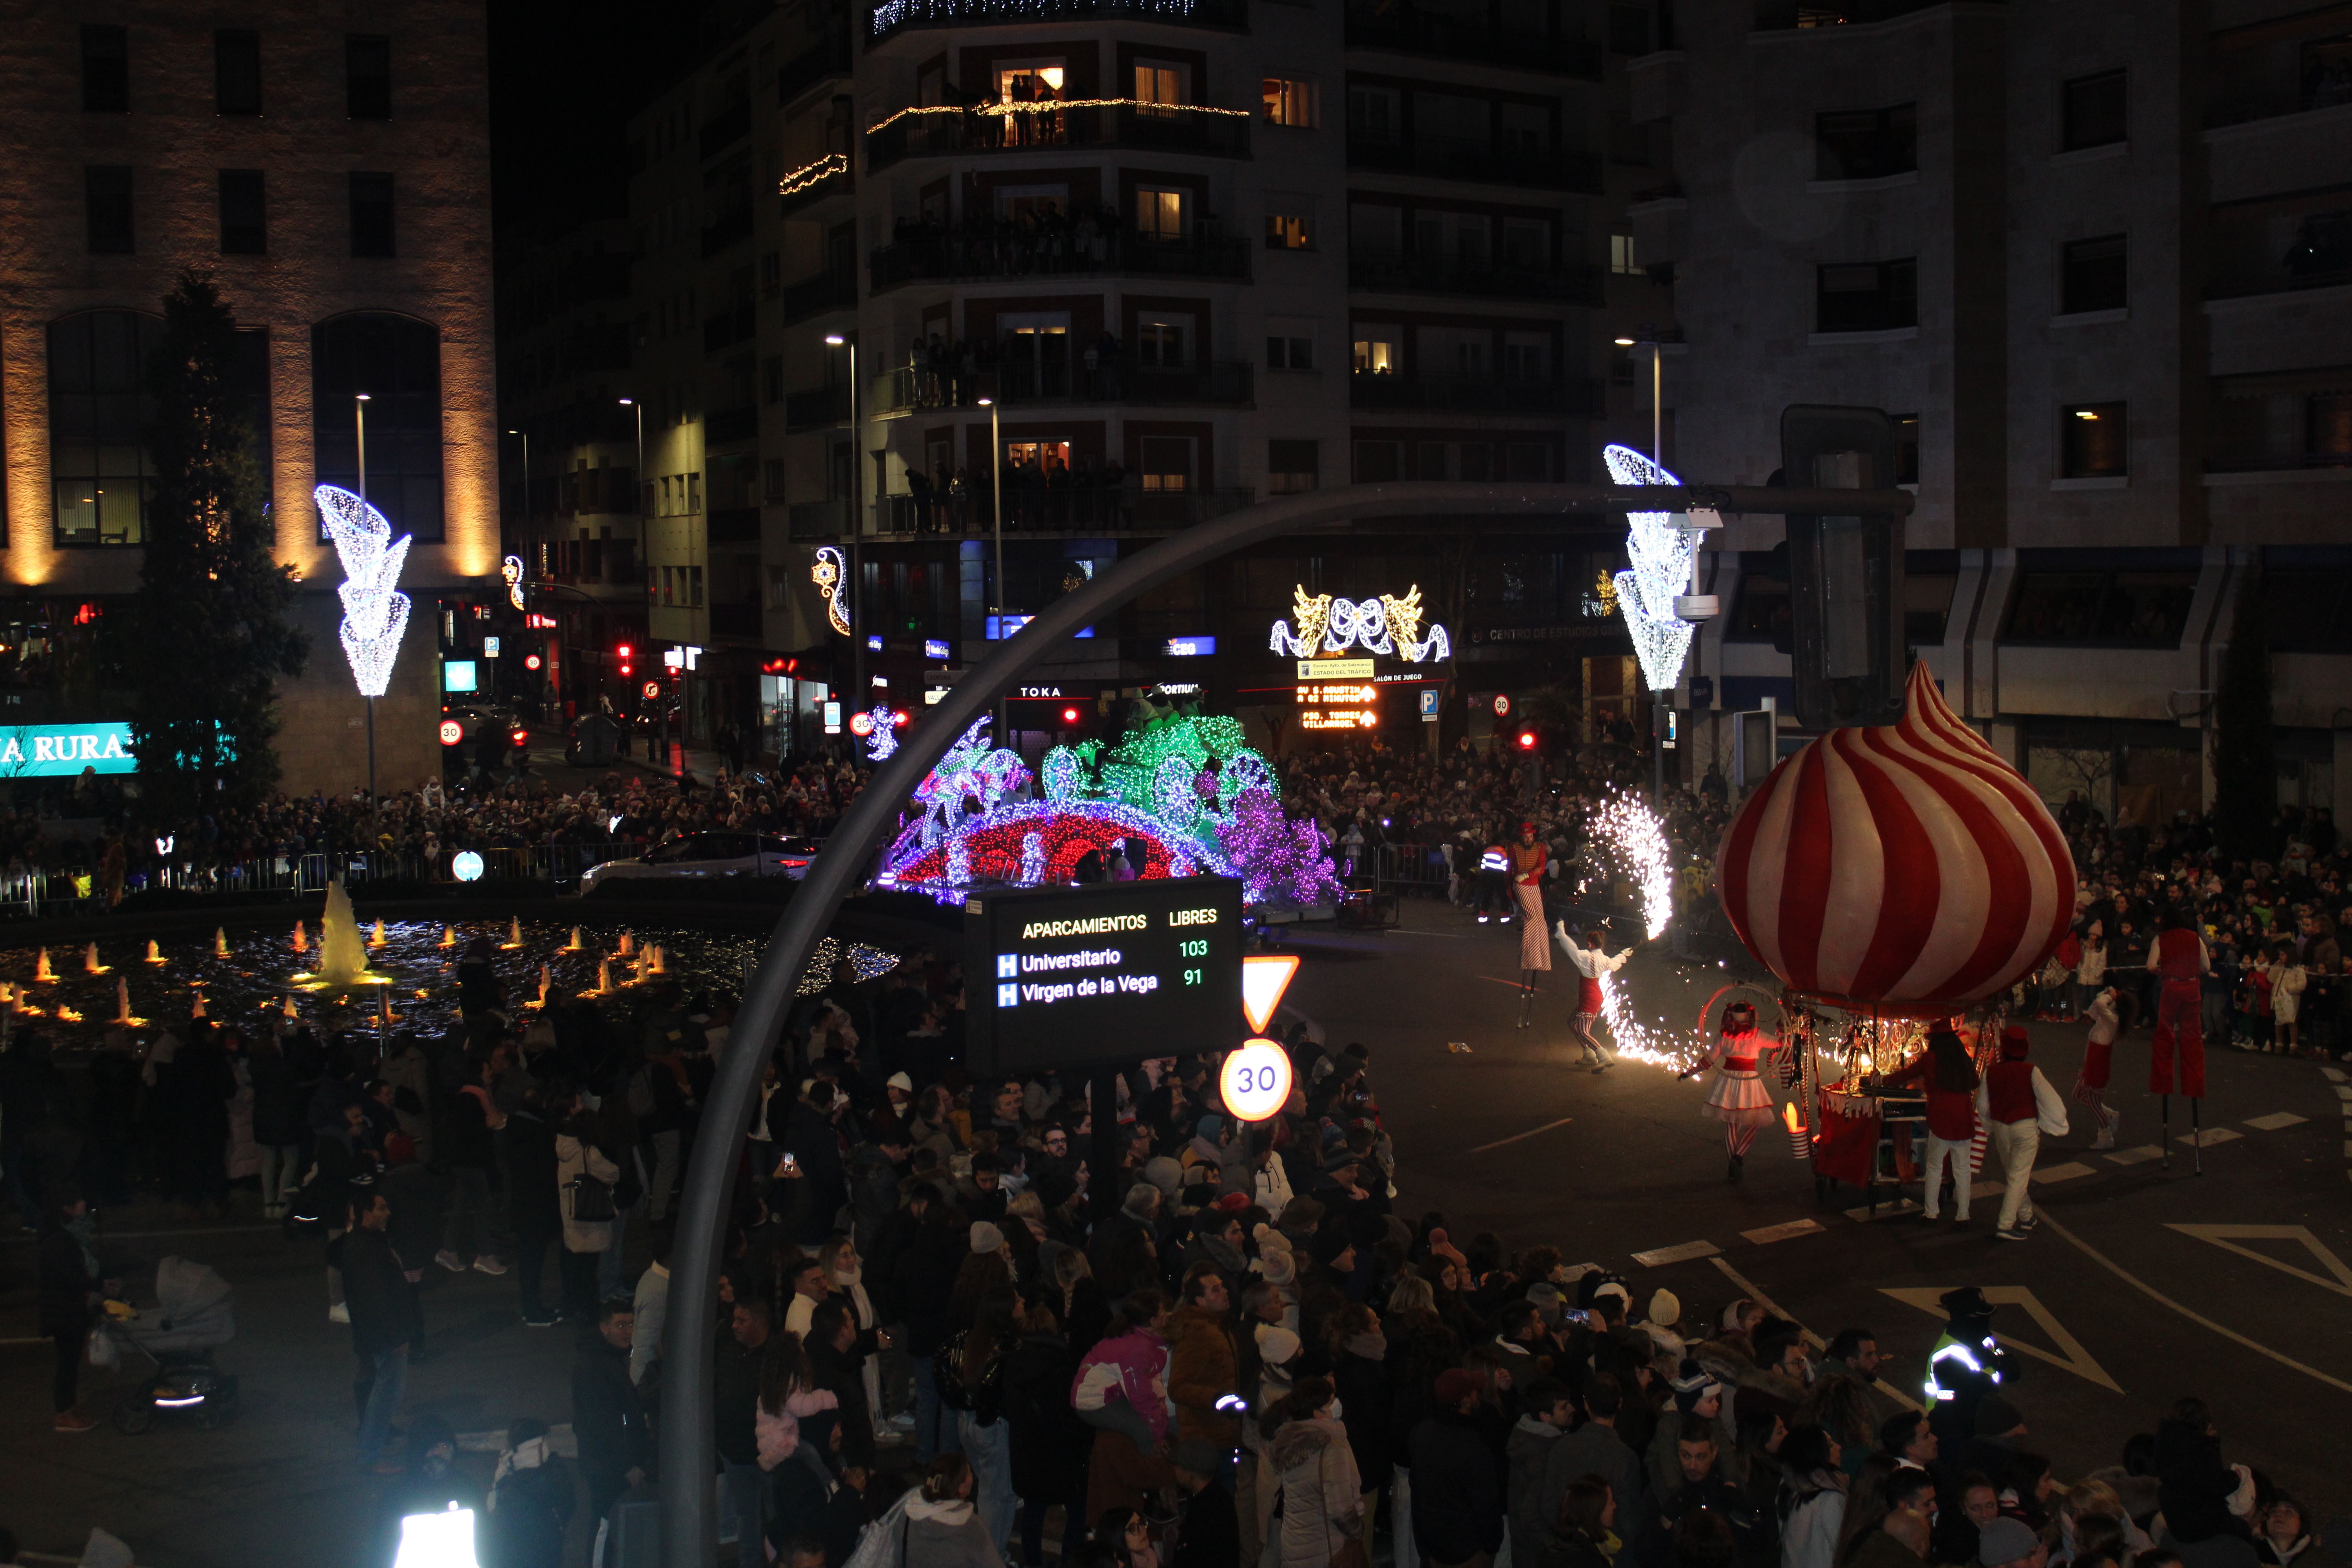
(107, 188)
(2094, 441)
(1867, 143)
(1292, 467)
(1760, 613)
(367, 77)
(2094, 113)
(396, 361)
(2307, 609)
(1629, 29)
(1377, 462)
(2101, 609)
(1906, 448)
(100, 409)
(2091, 275)
(105, 69)
(372, 227)
(1289, 353)
(242, 214)
(236, 72)
(1926, 606)
(1866, 297)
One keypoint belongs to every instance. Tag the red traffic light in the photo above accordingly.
(624, 650)
(1527, 740)
(1069, 715)
(624, 671)
(898, 720)
(521, 737)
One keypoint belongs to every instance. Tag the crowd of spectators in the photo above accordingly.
(2270, 919)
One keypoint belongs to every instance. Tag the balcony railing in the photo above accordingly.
(1577, 396)
(1462, 158)
(2275, 462)
(1394, 272)
(1032, 380)
(816, 408)
(1076, 507)
(826, 291)
(1006, 252)
(805, 519)
(897, 15)
(2318, 256)
(1418, 32)
(806, 187)
(1175, 127)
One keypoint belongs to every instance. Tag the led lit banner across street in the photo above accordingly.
(1111, 973)
(62, 751)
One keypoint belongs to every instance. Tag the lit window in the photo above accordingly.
(1290, 231)
(1159, 215)
(2094, 441)
(1621, 254)
(1159, 84)
(1379, 352)
(1167, 463)
(1288, 101)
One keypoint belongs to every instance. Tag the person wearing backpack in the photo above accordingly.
(586, 1177)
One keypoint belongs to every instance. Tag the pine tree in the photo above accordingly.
(2245, 765)
(208, 637)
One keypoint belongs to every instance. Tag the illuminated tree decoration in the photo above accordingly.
(1385, 625)
(830, 573)
(375, 613)
(1277, 856)
(1660, 554)
(883, 739)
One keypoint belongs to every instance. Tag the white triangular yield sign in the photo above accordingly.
(2227, 1236)
(1265, 977)
(2072, 1358)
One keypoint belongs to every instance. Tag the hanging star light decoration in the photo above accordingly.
(376, 613)
(1660, 554)
(830, 573)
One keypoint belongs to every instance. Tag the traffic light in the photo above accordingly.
(624, 650)
(1846, 574)
(1527, 740)
(1069, 716)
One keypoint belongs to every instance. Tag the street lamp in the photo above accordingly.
(857, 519)
(996, 527)
(1657, 390)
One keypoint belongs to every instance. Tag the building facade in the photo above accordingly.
(333, 175)
(2095, 261)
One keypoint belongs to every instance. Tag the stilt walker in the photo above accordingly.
(1737, 1097)
(2110, 1013)
(1527, 858)
(1590, 963)
(2179, 961)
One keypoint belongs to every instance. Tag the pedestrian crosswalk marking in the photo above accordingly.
(2275, 1120)
(1770, 1233)
(2065, 1172)
(1864, 1215)
(2138, 1156)
(1659, 1256)
(2334, 1074)
(2071, 1357)
(2228, 1236)
(2210, 1136)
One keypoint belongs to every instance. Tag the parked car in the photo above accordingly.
(717, 853)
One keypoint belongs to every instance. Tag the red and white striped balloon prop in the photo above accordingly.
(1901, 869)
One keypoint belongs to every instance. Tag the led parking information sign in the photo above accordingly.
(1115, 972)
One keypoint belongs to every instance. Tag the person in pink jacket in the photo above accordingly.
(1121, 1389)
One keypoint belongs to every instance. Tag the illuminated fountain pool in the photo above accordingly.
(410, 969)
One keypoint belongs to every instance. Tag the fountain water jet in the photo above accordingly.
(342, 955)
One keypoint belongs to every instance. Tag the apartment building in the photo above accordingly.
(1128, 266)
(331, 172)
(2095, 261)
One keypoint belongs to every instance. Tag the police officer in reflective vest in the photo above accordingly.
(1965, 1366)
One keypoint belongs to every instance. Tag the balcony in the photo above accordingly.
(725, 329)
(816, 408)
(1781, 15)
(732, 425)
(2280, 253)
(813, 182)
(723, 130)
(815, 295)
(984, 251)
(1393, 272)
(900, 15)
(817, 520)
(731, 525)
(1431, 35)
(1197, 128)
(1580, 397)
(1483, 162)
(1022, 380)
(1077, 507)
(731, 228)
(805, 69)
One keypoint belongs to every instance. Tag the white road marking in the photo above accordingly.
(2334, 1074)
(1750, 1288)
(1771, 1233)
(2139, 1156)
(1514, 1137)
(1658, 1257)
(2275, 1120)
(2209, 1137)
(2155, 1295)
(2227, 1236)
(2065, 1172)
(2072, 1358)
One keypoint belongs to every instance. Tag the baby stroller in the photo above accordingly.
(194, 1312)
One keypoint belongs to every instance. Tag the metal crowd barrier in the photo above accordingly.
(58, 892)
(1409, 867)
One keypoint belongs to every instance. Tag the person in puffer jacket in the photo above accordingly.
(1322, 1496)
(1121, 1390)
(944, 1527)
